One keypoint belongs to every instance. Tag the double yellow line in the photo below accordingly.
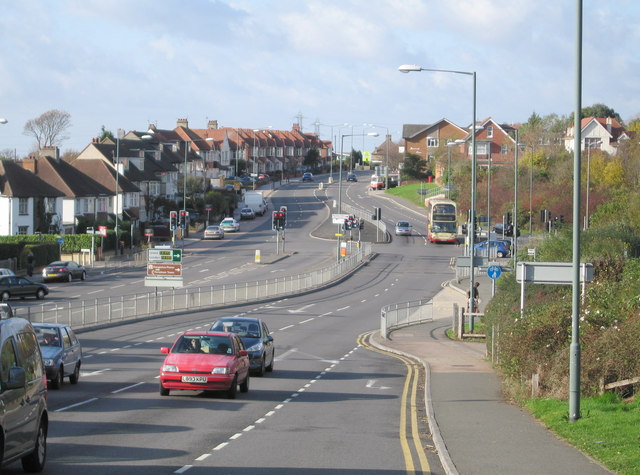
(409, 429)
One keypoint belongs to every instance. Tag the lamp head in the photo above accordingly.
(408, 68)
(373, 134)
(3, 120)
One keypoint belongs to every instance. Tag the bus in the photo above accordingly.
(377, 182)
(442, 225)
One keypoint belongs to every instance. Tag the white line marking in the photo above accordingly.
(203, 457)
(235, 436)
(221, 446)
(307, 320)
(343, 308)
(62, 409)
(128, 387)
(286, 328)
(183, 469)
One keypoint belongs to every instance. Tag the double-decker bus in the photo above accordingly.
(442, 225)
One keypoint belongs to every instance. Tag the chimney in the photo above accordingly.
(31, 164)
(50, 151)
(183, 123)
(609, 124)
(296, 127)
(212, 125)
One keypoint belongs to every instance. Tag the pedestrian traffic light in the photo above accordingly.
(283, 210)
(508, 217)
(173, 220)
(278, 219)
(274, 220)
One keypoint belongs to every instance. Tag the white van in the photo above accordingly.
(24, 420)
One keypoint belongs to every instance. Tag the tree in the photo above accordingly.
(49, 129)
(312, 158)
(414, 166)
(104, 133)
(600, 110)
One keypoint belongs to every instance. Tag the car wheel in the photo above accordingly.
(163, 391)
(75, 376)
(233, 389)
(57, 382)
(260, 371)
(40, 294)
(500, 254)
(70, 277)
(83, 276)
(273, 357)
(5, 296)
(244, 387)
(34, 462)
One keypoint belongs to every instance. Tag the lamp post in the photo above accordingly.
(318, 124)
(387, 140)
(184, 178)
(514, 236)
(407, 68)
(531, 193)
(253, 165)
(370, 134)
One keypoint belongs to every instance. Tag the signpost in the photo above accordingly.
(164, 267)
(494, 271)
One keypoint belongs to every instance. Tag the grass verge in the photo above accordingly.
(608, 429)
(411, 192)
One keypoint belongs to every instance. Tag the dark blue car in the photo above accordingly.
(256, 338)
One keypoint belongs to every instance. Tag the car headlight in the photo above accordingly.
(220, 370)
(170, 368)
(256, 347)
(48, 362)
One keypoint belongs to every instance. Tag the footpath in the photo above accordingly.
(474, 428)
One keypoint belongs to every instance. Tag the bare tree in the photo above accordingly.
(49, 129)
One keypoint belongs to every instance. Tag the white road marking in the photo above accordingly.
(301, 309)
(128, 387)
(286, 328)
(62, 409)
(371, 385)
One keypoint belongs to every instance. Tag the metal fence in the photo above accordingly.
(404, 314)
(109, 310)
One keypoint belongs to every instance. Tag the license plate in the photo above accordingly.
(194, 379)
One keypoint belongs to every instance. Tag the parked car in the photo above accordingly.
(213, 232)
(247, 213)
(492, 248)
(352, 177)
(403, 228)
(205, 361)
(23, 397)
(64, 270)
(256, 338)
(508, 230)
(61, 352)
(230, 225)
(16, 286)
(5, 271)
(307, 176)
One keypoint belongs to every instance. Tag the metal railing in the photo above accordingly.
(102, 311)
(399, 315)
(366, 215)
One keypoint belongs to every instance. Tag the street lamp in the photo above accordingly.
(3, 120)
(369, 134)
(318, 124)
(407, 68)
(253, 165)
(531, 193)
(184, 178)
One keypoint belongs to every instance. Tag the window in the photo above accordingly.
(490, 131)
(30, 355)
(50, 205)
(102, 204)
(432, 141)
(504, 149)
(23, 229)
(23, 206)
(8, 360)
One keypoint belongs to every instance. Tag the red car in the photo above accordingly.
(205, 361)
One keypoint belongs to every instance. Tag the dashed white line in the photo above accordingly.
(62, 409)
(307, 320)
(125, 388)
(286, 328)
(183, 469)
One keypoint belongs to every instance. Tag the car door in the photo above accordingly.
(12, 401)
(70, 349)
(242, 361)
(267, 341)
(22, 287)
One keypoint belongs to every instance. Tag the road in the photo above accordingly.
(331, 403)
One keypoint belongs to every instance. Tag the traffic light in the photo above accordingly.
(283, 210)
(509, 217)
(278, 219)
(377, 214)
(183, 218)
(274, 220)
(173, 219)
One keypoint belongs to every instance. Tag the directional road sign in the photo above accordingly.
(494, 271)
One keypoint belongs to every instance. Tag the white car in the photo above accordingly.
(5, 271)
(230, 225)
(213, 232)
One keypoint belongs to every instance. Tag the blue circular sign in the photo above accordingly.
(60, 240)
(494, 272)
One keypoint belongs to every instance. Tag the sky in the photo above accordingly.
(125, 64)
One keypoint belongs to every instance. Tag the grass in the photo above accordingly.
(608, 429)
(410, 192)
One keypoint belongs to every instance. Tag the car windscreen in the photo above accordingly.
(208, 344)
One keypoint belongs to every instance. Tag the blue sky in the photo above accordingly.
(260, 63)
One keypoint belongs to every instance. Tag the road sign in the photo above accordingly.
(494, 271)
(102, 231)
(168, 269)
(164, 255)
(60, 241)
(339, 218)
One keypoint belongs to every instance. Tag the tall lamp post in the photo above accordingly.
(370, 134)
(407, 68)
(318, 124)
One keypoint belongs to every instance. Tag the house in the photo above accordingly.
(81, 194)
(425, 140)
(495, 143)
(597, 133)
(28, 204)
(388, 154)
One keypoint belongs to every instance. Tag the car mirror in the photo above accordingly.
(164, 349)
(243, 353)
(17, 378)
(269, 338)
